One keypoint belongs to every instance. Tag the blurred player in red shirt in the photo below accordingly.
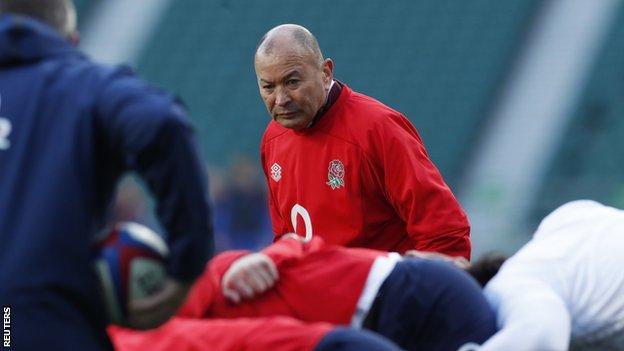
(242, 334)
(417, 303)
(344, 166)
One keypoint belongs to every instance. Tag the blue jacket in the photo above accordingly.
(69, 129)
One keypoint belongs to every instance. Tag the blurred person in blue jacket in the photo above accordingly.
(249, 226)
(69, 129)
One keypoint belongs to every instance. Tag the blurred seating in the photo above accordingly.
(83, 7)
(590, 160)
(240, 206)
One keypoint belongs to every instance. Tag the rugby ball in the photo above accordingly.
(130, 264)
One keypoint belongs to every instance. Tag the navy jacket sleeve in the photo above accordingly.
(147, 131)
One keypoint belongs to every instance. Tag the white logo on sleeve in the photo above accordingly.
(276, 172)
(5, 130)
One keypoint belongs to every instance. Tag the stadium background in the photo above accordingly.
(520, 102)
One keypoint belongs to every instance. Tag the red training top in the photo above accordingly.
(361, 177)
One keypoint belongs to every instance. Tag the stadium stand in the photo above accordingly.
(437, 61)
(83, 7)
(590, 157)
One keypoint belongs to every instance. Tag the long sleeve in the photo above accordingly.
(277, 222)
(148, 132)
(203, 294)
(530, 318)
(415, 188)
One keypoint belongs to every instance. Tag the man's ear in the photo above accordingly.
(328, 71)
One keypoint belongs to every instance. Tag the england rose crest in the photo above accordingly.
(336, 174)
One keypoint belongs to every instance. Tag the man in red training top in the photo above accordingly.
(243, 334)
(344, 166)
(417, 303)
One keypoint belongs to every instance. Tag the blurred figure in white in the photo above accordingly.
(565, 288)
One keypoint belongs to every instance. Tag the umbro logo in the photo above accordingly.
(276, 172)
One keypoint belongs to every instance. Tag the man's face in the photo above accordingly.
(293, 86)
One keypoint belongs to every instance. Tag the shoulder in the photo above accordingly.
(121, 88)
(371, 112)
(79, 75)
(378, 130)
(107, 83)
(574, 215)
(367, 117)
(122, 79)
(97, 74)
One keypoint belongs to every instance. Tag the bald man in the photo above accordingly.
(68, 130)
(342, 165)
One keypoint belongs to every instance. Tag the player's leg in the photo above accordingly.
(432, 305)
(345, 339)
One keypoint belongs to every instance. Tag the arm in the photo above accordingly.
(415, 188)
(256, 273)
(149, 133)
(277, 221)
(146, 131)
(199, 302)
(537, 319)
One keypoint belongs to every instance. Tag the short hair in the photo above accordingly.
(54, 13)
(304, 39)
(486, 267)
